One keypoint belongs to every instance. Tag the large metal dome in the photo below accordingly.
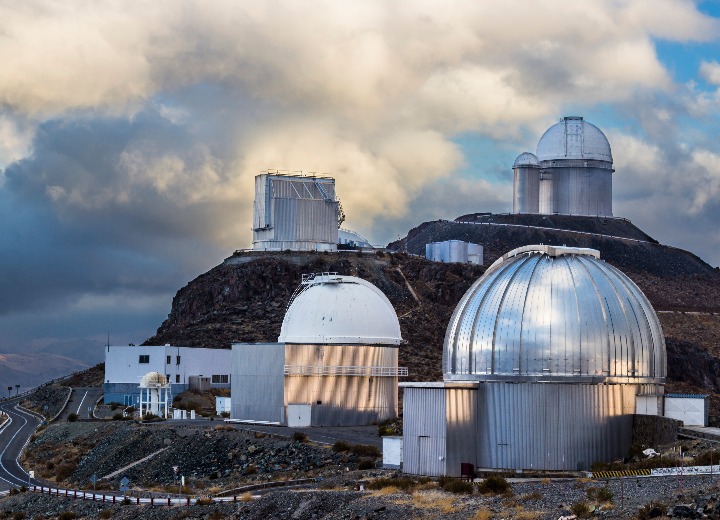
(340, 310)
(574, 138)
(554, 314)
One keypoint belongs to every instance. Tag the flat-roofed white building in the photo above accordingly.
(125, 367)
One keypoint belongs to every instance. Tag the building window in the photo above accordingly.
(168, 360)
(177, 378)
(144, 358)
(167, 377)
(177, 360)
(220, 379)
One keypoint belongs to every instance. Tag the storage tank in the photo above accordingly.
(526, 184)
(575, 169)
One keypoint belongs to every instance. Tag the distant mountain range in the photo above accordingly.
(30, 370)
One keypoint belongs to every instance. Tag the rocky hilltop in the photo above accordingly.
(245, 298)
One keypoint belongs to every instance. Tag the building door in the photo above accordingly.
(430, 460)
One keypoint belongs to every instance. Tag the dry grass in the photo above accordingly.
(530, 496)
(387, 490)
(427, 486)
(434, 500)
(246, 497)
(482, 514)
(546, 481)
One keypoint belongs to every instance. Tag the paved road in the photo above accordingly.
(13, 437)
(82, 401)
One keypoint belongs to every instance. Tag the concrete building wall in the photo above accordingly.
(258, 382)
(123, 366)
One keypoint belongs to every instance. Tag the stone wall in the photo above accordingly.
(653, 430)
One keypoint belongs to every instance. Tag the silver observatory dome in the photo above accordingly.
(574, 138)
(546, 313)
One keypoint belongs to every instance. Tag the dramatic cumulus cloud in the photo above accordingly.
(130, 132)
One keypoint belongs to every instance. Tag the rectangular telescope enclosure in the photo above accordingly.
(295, 212)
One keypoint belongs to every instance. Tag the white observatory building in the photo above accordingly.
(570, 173)
(295, 212)
(335, 363)
(544, 360)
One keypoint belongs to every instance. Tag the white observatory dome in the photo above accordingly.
(573, 138)
(340, 310)
(153, 379)
(545, 313)
(525, 159)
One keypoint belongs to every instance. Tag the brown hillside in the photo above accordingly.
(245, 298)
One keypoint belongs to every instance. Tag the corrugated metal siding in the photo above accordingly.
(424, 431)
(258, 381)
(552, 426)
(295, 212)
(345, 400)
(582, 190)
(526, 192)
(538, 315)
(461, 426)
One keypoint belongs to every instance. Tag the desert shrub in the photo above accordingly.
(216, 515)
(259, 435)
(18, 515)
(114, 406)
(246, 497)
(404, 483)
(340, 446)
(457, 486)
(650, 510)
(250, 470)
(705, 458)
(604, 494)
(204, 501)
(106, 513)
(365, 450)
(300, 437)
(118, 417)
(66, 515)
(225, 414)
(64, 471)
(72, 417)
(581, 509)
(366, 464)
(494, 485)
(49, 465)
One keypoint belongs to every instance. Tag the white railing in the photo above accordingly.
(322, 370)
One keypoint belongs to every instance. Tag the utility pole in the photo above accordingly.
(17, 389)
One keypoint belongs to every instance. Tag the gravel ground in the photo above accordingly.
(538, 499)
(52, 396)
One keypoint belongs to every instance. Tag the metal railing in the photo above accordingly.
(323, 370)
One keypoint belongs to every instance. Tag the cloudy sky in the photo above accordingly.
(130, 131)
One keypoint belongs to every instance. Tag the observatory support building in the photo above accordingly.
(570, 173)
(295, 212)
(335, 363)
(544, 360)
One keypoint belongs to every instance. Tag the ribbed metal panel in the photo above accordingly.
(552, 426)
(581, 190)
(258, 382)
(526, 189)
(297, 213)
(343, 400)
(424, 431)
(541, 316)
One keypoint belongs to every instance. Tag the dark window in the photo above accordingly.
(177, 360)
(177, 378)
(167, 377)
(168, 360)
(220, 379)
(144, 358)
